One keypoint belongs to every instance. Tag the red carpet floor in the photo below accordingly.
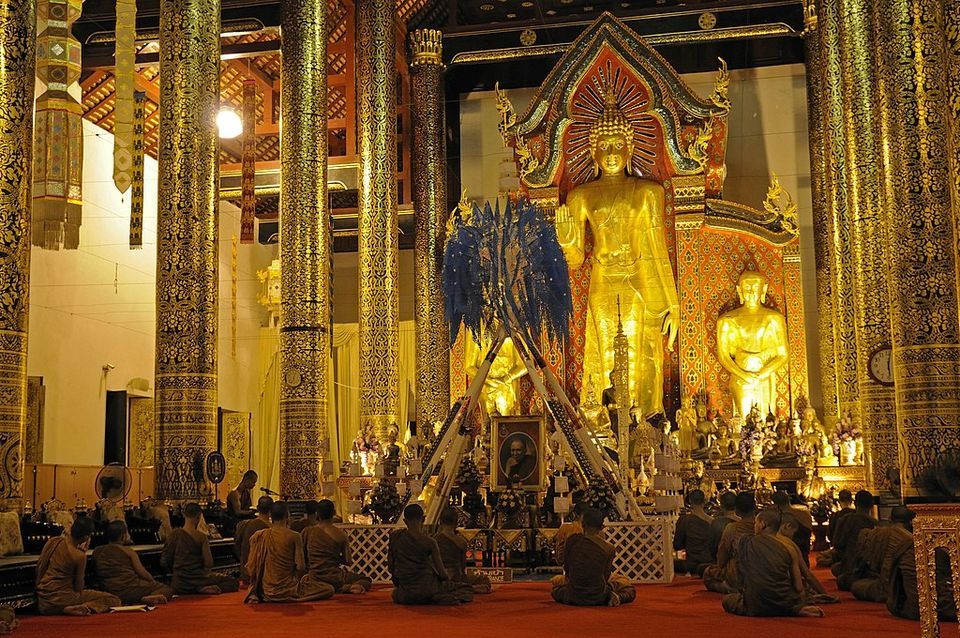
(523, 610)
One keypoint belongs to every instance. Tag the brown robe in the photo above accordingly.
(453, 552)
(846, 558)
(277, 570)
(241, 542)
(186, 555)
(876, 548)
(693, 535)
(416, 582)
(717, 527)
(589, 580)
(116, 570)
(723, 576)
(560, 540)
(768, 587)
(60, 572)
(326, 559)
(301, 524)
(902, 592)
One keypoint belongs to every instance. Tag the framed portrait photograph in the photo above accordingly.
(517, 443)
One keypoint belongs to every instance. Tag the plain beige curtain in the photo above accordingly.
(266, 436)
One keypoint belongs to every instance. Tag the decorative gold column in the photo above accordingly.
(868, 235)
(377, 216)
(430, 203)
(305, 244)
(17, 46)
(186, 370)
(918, 65)
(834, 223)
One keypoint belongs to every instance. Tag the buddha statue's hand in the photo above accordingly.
(566, 228)
(671, 325)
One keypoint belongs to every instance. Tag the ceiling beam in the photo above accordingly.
(101, 57)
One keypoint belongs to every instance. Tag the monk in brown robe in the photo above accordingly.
(800, 571)
(246, 529)
(693, 536)
(723, 576)
(122, 574)
(453, 553)
(276, 564)
(902, 591)
(568, 529)
(328, 554)
(727, 516)
(187, 556)
(769, 575)
(845, 501)
(848, 534)
(239, 499)
(802, 534)
(418, 574)
(588, 563)
(876, 548)
(310, 509)
(60, 572)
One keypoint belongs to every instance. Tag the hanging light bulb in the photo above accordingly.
(229, 124)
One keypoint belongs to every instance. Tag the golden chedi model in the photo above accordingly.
(752, 346)
(630, 259)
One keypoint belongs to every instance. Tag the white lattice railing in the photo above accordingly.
(368, 546)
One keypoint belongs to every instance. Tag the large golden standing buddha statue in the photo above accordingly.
(630, 260)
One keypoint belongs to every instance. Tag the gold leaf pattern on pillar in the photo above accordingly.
(377, 216)
(17, 42)
(248, 169)
(305, 249)
(186, 368)
(430, 204)
(124, 87)
(58, 143)
(136, 182)
(919, 104)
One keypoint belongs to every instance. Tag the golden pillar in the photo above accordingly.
(377, 216)
(430, 203)
(833, 223)
(917, 60)
(186, 368)
(305, 245)
(822, 226)
(17, 50)
(868, 235)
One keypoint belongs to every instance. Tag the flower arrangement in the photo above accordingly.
(847, 431)
(510, 501)
(751, 438)
(599, 496)
(469, 478)
(384, 503)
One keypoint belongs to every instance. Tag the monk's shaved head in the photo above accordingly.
(769, 519)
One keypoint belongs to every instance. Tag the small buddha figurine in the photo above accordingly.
(752, 346)
(811, 487)
(631, 263)
(813, 437)
(687, 424)
(391, 453)
(706, 428)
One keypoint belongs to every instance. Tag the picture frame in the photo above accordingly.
(517, 446)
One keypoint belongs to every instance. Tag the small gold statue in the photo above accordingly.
(687, 424)
(812, 486)
(630, 259)
(499, 393)
(813, 438)
(752, 346)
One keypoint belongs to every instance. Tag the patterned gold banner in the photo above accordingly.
(58, 141)
(248, 198)
(136, 195)
(124, 83)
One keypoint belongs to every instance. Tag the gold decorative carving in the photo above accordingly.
(697, 151)
(784, 212)
(809, 16)
(17, 47)
(142, 432)
(378, 241)
(305, 251)
(235, 444)
(426, 48)
(935, 527)
(248, 162)
(124, 82)
(136, 189)
(721, 87)
(429, 155)
(707, 20)
(187, 256)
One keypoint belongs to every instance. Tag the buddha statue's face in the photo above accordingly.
(612, 152)
(752, 289)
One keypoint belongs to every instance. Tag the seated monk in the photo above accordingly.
(276, 565)
(815, 591)
(328, 554)
(239, 499)
(781, 501)
(771, 580)
(309, 520)
(60, 571)
(845, 501)
(186, 554)
(122, 574)
(588, 564)
(903, 592)
(246, 529)
(453, 553)
(847, 558)
(723, 576)
(728, 515)
(693, 536)
(568, 529)
(875, 550)
(419, 577)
